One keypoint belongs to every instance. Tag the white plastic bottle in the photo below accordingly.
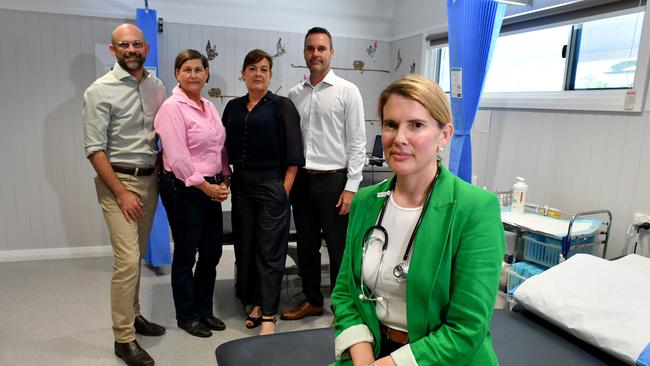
(519, 196)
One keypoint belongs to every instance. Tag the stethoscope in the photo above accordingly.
(400, 271)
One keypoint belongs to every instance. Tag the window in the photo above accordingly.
(530, 61)
(598, 53)
(437, 67)
(608, 52)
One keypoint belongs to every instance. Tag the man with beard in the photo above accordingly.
(334, 140)
(120, 142)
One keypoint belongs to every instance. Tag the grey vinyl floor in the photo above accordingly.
(57, 312)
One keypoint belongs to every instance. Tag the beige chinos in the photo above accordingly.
(129, 241)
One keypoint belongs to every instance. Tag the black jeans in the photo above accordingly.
(197, 225)
(314, 198)
(260, 214)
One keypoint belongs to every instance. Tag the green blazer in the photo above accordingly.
(453, 275)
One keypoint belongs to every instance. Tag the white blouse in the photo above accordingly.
(399, 222)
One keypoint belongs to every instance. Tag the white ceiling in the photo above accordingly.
(372, 19)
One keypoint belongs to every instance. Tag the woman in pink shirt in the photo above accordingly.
(192, 187)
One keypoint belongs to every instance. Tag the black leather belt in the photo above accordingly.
(215, 179)
(137, 172)
(314, 172)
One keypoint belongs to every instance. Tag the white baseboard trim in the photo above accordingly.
(67, 253)
(55, 253)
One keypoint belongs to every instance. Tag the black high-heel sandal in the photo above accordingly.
(254, 322)
(269, 320)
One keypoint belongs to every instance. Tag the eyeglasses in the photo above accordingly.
(125, 44)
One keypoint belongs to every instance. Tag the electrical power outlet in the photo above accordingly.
(641, 218)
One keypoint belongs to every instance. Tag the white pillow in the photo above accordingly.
(605, 303)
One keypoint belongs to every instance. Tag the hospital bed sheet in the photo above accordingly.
(551, 226)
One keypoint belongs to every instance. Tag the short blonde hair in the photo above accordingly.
(423, 91)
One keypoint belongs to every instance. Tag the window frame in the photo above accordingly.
(432, 67)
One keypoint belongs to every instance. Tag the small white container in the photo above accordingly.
(519, 190)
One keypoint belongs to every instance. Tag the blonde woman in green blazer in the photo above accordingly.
(450, 286)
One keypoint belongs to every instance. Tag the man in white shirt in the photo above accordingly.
(334, 139)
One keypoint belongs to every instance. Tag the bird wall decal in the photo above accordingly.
(280, 48)
(211, 51)
(399, 59)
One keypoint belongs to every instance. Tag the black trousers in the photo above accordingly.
(197, 225)
(314, 198)
(260, 214)
(388, 346)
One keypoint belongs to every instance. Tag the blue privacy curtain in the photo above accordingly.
(473, 29)
(158, 250)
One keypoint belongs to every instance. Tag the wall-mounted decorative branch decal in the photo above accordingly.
(357, 67)
(211, 51)
(216, 93)
(412, 67)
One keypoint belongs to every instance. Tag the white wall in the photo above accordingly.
(47, 198)
(411, 51)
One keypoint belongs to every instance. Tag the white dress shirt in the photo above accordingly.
(333, 126)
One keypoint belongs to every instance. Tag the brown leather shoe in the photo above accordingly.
(303, 310)
(132, 354)
(144, 327)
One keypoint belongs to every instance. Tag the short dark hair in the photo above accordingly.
(256, 56)
(190, 54)
(319, 30)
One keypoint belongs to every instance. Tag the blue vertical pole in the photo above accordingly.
(147, 21)
(158, 250)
